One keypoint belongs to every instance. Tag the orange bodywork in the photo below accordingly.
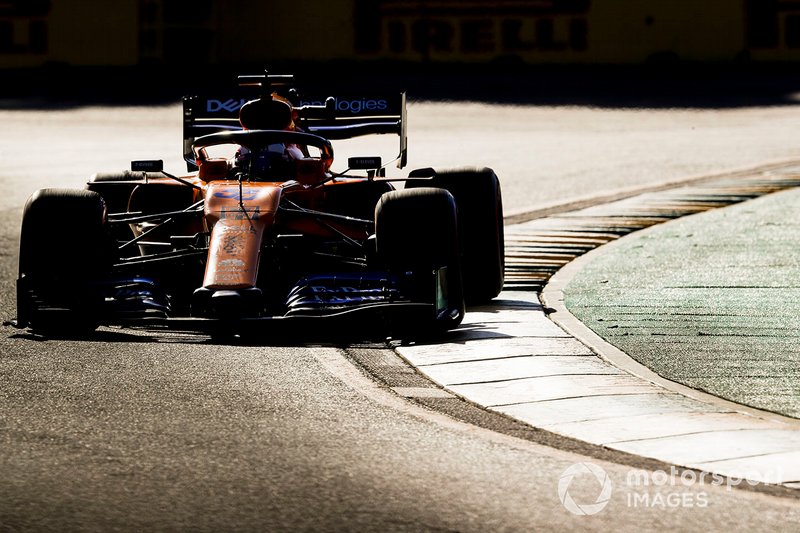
(239, 220)
(239, 217)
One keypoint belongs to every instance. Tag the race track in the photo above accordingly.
(134, 430)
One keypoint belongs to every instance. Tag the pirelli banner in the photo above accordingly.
(550, 31)
(448, 30)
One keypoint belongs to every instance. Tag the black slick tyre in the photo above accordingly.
(417, 235)
(64, 251)
(480, 227)
(116, 187)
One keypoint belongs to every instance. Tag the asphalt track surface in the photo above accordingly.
(133, 431)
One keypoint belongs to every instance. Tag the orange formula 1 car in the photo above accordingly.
(261, 235)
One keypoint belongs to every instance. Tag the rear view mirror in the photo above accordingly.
(364, 163)
(149, 165)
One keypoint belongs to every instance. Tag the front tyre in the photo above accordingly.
(64, 251)
(417, 240)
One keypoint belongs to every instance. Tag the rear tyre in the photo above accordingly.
(59, 266)
(115, 188)
(480, 227)
(416, 235)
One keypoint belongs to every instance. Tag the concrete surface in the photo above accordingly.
(511, 359)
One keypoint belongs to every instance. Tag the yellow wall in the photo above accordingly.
(129, 32)
(630, 31)
(780, 27)
(78, 32)
(561, 31)
(301, 29)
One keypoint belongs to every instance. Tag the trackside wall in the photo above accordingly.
(210, 32)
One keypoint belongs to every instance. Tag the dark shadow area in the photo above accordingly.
(109, 335)
(661, 84)
(358, 334)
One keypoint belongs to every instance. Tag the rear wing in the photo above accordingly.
(332, 117)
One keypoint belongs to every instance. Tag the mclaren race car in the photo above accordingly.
(261, 235)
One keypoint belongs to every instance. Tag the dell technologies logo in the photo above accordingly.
(353, 106)
(230, 105)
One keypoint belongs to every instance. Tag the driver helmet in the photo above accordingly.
(273, 113)
(268, 162)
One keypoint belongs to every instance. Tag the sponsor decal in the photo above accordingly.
(226, 276)
(230, 105)
(353, 105)
(244, 228)
(247, 194)
(232, 243)
(249, 213)
(344, 295)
